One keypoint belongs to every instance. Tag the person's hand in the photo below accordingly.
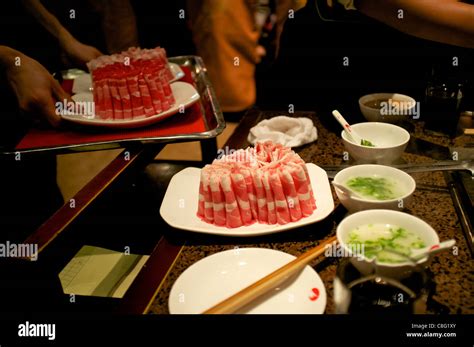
(77, 53)
(260, 53)
(36, 90)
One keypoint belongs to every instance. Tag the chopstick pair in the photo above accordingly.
(255, 290)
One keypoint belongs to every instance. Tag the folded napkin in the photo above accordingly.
(288, 131)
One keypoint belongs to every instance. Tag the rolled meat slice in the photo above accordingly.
(108, 109)
(289, 189)
(201, 201)
(281, 205)
(232, 213)
(155, 95)
(261, 196)
(218, 200)
(146, 97)
(312, 200)
(117, 100)
(240, 188)
(302, 189)
(251, 193)
(272, 216)
(135, 95)
(99, 102)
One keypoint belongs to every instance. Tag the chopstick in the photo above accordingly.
(255, 290)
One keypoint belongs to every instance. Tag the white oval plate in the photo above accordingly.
(176, 71)
(184, 93)
(215, 278)
(180, 204)
(83, 82)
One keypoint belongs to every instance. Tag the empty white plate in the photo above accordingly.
(215, 278)
(180, 204)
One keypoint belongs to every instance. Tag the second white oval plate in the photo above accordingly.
(215, 278)
(83, 82)
(184, 93)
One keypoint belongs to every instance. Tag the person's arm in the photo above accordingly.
(282, 12)
(118, 24)
(36, 90)
(446, 21)
(76, 51)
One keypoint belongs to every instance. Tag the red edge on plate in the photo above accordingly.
(315, 294)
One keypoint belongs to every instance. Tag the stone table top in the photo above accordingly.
(452, 275)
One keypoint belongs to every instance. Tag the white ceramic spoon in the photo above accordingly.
(348, 129)
(432, 250)
(425, 252)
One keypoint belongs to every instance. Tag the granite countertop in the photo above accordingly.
(452, 275)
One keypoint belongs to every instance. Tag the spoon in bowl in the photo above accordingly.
(432, 250)
(425, 252)
(349, 131)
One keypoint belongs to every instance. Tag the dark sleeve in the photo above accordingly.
(20, 31)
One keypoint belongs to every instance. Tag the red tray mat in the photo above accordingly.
(192, 121)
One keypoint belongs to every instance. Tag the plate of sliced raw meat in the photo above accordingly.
(181, 206)
(130, 89)
(83, 82)
(184, 95)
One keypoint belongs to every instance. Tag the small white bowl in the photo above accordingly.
(407, 109)
(390, 142)
(353, 203)
(403, 220)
